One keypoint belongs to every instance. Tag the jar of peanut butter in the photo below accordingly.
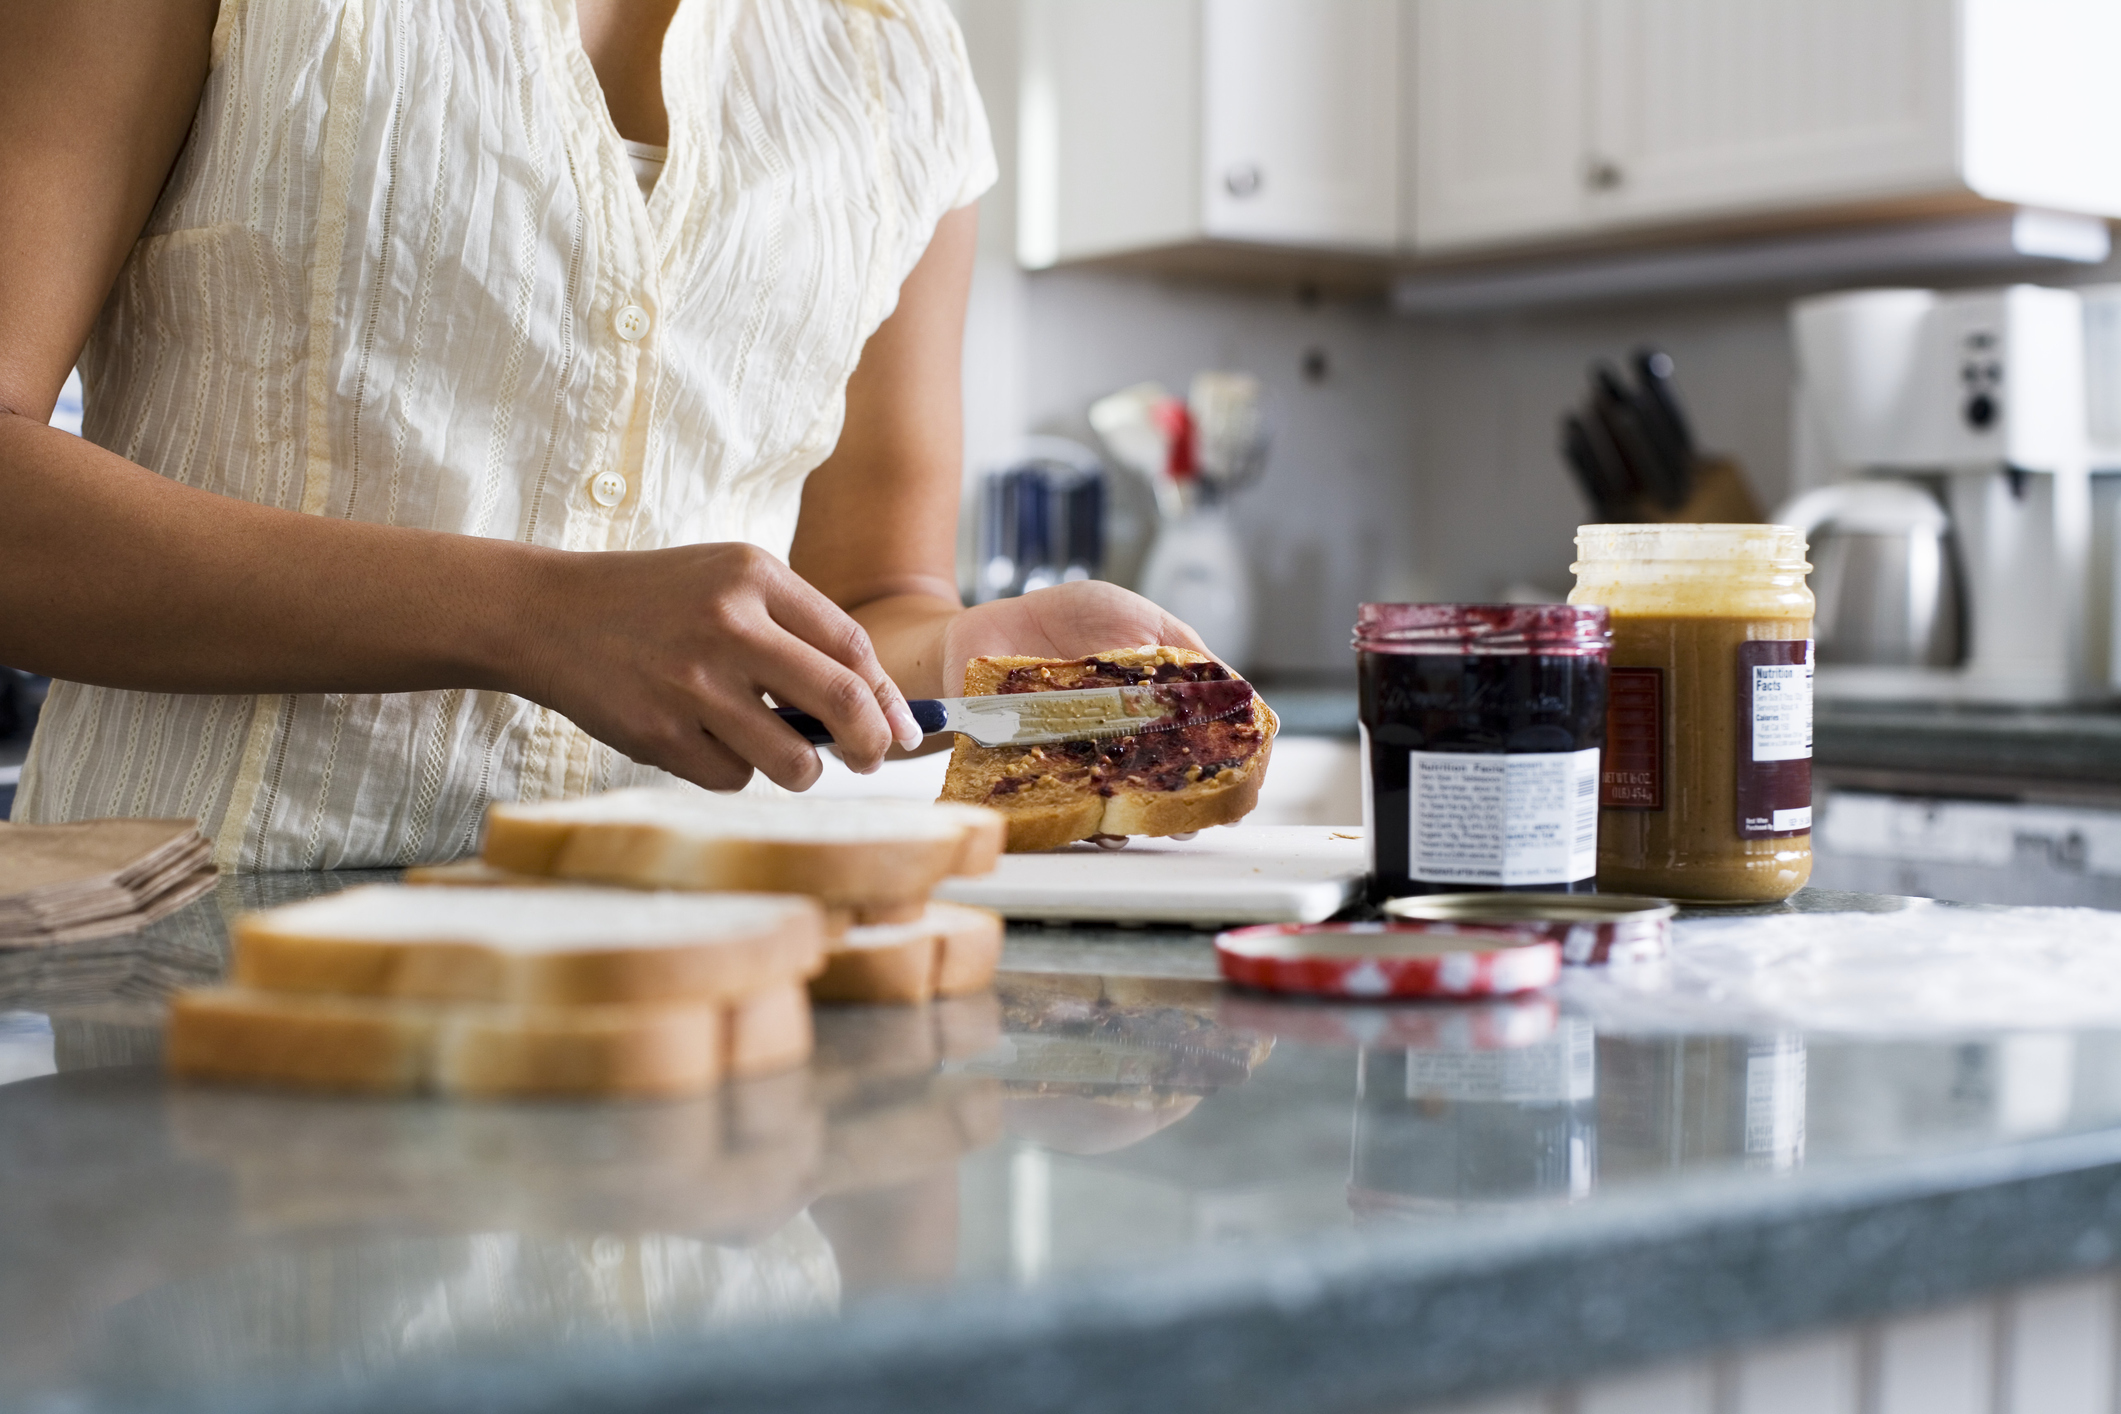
(1705, 788)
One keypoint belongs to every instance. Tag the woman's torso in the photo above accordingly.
(404, 273)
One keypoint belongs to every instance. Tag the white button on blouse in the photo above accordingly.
(366, 292)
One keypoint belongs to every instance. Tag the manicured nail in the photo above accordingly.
(904, 729)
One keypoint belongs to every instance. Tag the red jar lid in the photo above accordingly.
(1389, 959)
(1548, 630)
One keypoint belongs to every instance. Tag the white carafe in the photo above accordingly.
(1196, 570)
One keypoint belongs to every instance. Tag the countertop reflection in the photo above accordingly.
(1107, 1170)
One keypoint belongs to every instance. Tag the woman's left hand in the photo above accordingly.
(1066, 621)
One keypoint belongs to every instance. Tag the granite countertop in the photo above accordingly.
(1110, 1186)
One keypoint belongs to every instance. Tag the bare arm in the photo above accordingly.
(110, 574)
(879, 526)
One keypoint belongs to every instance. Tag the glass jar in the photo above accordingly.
(1481, 727)
(1706, 791)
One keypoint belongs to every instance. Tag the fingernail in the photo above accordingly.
(904, 729)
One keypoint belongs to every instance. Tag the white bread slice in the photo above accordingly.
(987, 842)
(382, 1045)
(537, 946)
(949, 951)
(1053, 796)
(871, 856)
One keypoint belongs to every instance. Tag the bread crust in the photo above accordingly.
(769, 1031)
(952, 950)
(555, 1051)
(868, 874)
(271, 954)
(971, 949)
(876, 877)
(227, 1033)
(986, 837)
(1051, 812)
(902, 972)
(390, 1046)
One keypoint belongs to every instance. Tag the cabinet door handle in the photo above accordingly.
(1602, 174)
(1243, 180)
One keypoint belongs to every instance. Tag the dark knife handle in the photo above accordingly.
(927, 713)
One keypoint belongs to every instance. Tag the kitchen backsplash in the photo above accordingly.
(1412, 458)
(1417, 457)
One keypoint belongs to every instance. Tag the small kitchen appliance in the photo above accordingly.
(1041, 520)
(1194, 454)
(1975, 402)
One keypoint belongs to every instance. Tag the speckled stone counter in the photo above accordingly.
(1111, 1186)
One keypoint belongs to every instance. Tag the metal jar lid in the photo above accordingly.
(1591, 928)
(1391, 959)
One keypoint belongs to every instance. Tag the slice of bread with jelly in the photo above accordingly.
(1156, 783)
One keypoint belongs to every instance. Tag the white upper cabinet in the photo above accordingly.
(1497, 117)
(1157, 123)
(1300, 121)
(1707, 107)
(1442, 127)
(1546, 120)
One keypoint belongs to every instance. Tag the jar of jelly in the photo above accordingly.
(1707, 792)
(1481, 728)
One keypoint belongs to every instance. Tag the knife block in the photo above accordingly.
(1721, 496)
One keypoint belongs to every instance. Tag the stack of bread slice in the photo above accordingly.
(507, 992)
(870, 864)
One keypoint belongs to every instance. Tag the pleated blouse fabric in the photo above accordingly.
(404, 273)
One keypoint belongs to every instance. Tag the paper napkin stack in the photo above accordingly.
(96, 878)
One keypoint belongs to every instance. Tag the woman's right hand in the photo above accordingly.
(663, 654)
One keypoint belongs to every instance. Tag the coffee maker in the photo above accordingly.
(1942, 454)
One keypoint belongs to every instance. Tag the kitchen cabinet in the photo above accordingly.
(1496, 118)
(1537, 121)
(1156, 123)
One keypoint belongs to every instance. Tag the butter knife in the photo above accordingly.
(1081, 714)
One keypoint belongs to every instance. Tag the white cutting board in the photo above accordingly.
(1249, 874)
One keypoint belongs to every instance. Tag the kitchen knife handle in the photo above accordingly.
(927, 714)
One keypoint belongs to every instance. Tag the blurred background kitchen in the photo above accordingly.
(1420, 225)
(1281, 307)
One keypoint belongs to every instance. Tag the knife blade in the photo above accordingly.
(1079, 714)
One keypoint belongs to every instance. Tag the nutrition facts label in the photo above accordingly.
(1503, 819)
(1782, 711)
(1774, 765)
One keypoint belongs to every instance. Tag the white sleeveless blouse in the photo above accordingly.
(403, 273)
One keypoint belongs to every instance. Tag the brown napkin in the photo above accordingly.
(95, 878)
